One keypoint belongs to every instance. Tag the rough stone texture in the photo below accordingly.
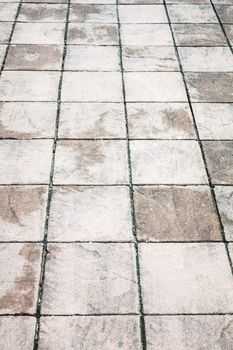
(5, 30)
(8, 11)
(42, 13)
(86, 13)
(224, 196)
(93, 34)
(225, 13)
(146, 34)
(192, 14)
(229, 32)
(39, 33)
(142, 14)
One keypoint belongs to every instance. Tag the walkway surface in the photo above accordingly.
(116, 175)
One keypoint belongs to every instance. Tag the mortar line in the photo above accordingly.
(45, 251)
(211, 186)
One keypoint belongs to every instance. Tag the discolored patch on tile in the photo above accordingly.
(146, 34)
(141, 2)
(160, 120)
(88, 13)
(219, 156)
(5, 31)
(94, 332)
(20, 272)
(188, 2)
(91, 162)
(39, 33)
(229, 32)
(94, 86)
(142, 14)
(93, 34)
(189, 332)
(149, 58)
(186, 278)
(42, 13)
(90, 214)
(224, 197)
(34, 57)
(214, 120)
(8, 11)
(192, 13)
(154, 86)
(22, 212)
(85, 278)
(17, 332)
(225, 13)
(167, 162)
(92, 58)
(25, 161)
(210, 87)
(199, 35)
(29, 86)
(46, 1)
(92, 120)
(175, 214)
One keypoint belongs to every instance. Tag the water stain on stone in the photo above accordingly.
(89, 154)
(42, 12)
(177, 119)
(98, 129)
(82, 12)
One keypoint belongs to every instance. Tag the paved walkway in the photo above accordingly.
(116, 175)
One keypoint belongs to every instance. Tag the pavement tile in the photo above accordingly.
(160, 120)
(90, 213)
(38, 33)
(25, 161)
(141, 2)
(20, 272)
(89, 13)
(175, 214)
(94, 332)
(186, 278)
(154, 86)
(210, 87)
(93, 34)
(17, 332)
(85, 278)
(2, 53)
(5, 31)
(224, 197)
(189, 332)
(167, 162)
(91, 162)
(146, 34)
(206, 59)
(219, 156)
(186, 2)
(34, 57)
(50, 1)
(192, 14)
(92, 120)
(229, 32)
(8, 11)
(29, 86)
(214, 120)
(92, 58)
(199, 35)
(22, 212)
(149, 58)
(142, 14)
(85, 87)
(222, 2)
(225, 13)
(42, 13)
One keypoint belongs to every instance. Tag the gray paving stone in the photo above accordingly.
(8, 11)
(192, 14)
(146, 34)
(141, 2)
(43, 13)
(142, 14)
(224, 197)
(89, 13)
(39, 33)
(93, 34)
(225, 13)
(2, 53)
(229, 32)
(5, 31)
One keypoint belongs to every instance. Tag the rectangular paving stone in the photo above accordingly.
(85, 278)
(2, 53)
(214, 120)
(22, 212)
(142, 14)
(160, 120)
(50, 1)
(149, 58)
(94, 332)
(186, 278)
(8, 11)
(224, 197)
(159, 86)
(17, 332)
(94, 86)
(225, 13)
(188, 2)
(192, 14)
(93, 34)
(229, 32)
(92, 120)
(199, 35)
(91, 162)
(167, 162)
(88, 13)
(5, 31)
(92, 58)
(34, 57)
(29, 86)
(140, 2)
(146, 34)
(165, 213)
(90, 214)
(219, 156)
(38, 33)
(20, 272)
(25, 161)
(104, 2)
(189, 332)
(42, 13)
(27, 119)
(210, 87)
